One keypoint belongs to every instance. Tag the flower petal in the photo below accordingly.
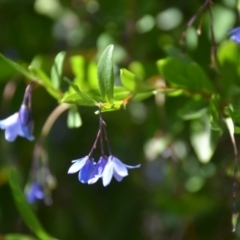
(77, 165)
(24, 115)
(9, 121)
(94, 176)
(117, 176)
(26, 131)
(86, 171)
(234, 30)
(132, 167)
(107, 173)
(119, 167)
(98, 170)
(12, 130)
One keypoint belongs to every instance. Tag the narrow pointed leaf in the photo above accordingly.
(17, 67)
(45, 81)
(83, 96)
(105, 74)
(56, 71)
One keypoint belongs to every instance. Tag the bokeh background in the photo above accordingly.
(173, 196)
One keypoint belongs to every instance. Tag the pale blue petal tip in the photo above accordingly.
(14, 127)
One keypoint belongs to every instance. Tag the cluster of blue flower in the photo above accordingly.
(21, 124)
(105, 168)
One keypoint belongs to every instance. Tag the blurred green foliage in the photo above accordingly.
(170, 117)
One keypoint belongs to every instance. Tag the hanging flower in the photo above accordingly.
(20, 123)
(84, 166)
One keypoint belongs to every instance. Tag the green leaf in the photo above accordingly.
(74, 119)
(17, 67)
(14, 236)
(85, 73)
(120, 93)
(203, 139)
(134, 84)
(105, 74)
(78, 97)
(45, 81)
(193, 109)
(189, 76)
(24, 208)
(56, 71)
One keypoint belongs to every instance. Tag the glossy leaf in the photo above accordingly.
(24, 208)
(189, 76)
(132, 83)
(105, 74)
(56, 71)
